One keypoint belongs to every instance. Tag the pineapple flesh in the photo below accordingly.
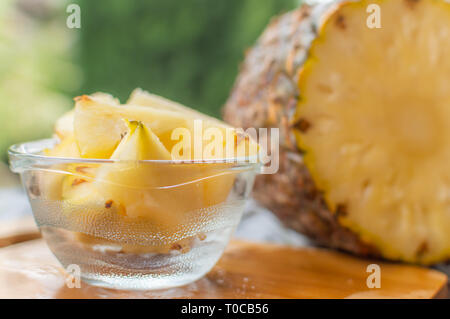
(99, 125)
(378, 110)
(366, 129)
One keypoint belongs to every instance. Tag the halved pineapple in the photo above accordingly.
(374, 121)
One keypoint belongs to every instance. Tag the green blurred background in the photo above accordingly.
(186, 50)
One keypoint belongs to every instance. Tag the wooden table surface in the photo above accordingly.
(247, 270)
(18, 230)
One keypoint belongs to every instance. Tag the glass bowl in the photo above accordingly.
(133, 225)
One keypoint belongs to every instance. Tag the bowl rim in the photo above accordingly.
(18, 151)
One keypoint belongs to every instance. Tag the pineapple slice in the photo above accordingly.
(83, 204)
(374, 121)
(144, 98)
(64, 125)
(50, 181)
(129, 182)
(106, 97)
(147, 190)
(211, 128)
(133, 184)
(140, 144)
(99, 127)
(78, 185)
(67, 147)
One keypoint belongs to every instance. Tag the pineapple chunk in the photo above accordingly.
(375, 111)
(64, 125)
(99, 127)
(66, 148)
(208, 124)
(144, 98)
(140, 144)
(51, 181)
(147, 190)
(127, 181)
(83, 206)
(78, 185)
(106, 97)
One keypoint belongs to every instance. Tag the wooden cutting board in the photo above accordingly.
(247, 270)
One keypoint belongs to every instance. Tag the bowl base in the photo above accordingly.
(139, 283)
(109, 265)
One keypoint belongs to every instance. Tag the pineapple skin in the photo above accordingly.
(266, 95)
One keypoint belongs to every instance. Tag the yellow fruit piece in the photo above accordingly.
(66, 148)
(209, 130)
(106, 97)
(78, 185)
(140, 143)
(161, 192)
(50, 181)
(84, 207)
(144, 98)
(127, 181)
(64, 125)
(99, 125)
